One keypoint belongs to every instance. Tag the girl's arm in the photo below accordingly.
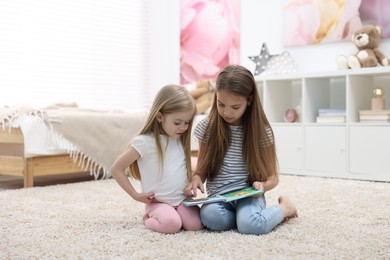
(267, 185)
(118, 172)
(197, 179)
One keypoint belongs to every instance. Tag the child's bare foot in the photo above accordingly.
(288, 208)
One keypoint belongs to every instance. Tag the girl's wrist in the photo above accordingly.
(197, 176)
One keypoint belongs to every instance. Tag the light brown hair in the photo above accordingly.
(258, 144)
(169, 99)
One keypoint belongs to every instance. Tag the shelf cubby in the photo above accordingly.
(323, 93)
(281, 95)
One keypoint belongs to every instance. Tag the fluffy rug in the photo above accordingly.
(338, 219)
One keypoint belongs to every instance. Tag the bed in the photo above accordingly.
(13, 162)
(63, 140)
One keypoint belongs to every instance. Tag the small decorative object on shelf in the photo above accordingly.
(282, 64)
(291, 115)
(261, 60)
(378, 102)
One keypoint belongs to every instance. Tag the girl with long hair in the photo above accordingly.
(160, 157)
(237, 150)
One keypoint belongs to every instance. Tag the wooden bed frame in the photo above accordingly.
(13, 161)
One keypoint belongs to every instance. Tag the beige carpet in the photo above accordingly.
(338, 219)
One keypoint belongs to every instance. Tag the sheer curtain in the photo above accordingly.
(92, 52)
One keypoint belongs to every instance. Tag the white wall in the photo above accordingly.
(92, 52)
(261, 21)
(164, 26)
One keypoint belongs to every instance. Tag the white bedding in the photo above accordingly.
(38, 138)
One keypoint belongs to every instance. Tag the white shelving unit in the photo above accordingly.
(344, 150)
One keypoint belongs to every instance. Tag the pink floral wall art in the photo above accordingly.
(376, 12)
(209, 38)
(319, 21)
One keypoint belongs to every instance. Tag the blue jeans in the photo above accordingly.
(249, 216)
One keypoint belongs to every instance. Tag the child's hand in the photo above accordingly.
(192, 187)
(145, 197)
(258, 186)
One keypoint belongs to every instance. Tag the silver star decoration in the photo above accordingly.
(261, 60)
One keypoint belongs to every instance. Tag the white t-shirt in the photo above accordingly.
(168, 185)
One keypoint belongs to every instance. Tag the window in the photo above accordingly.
(92, 52)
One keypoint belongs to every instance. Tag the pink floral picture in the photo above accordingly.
(209, 38)
(324, 21)
(376, 12)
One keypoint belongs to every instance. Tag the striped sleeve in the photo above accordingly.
(270, 139)
(200, 129)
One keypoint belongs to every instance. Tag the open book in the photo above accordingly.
(230, 196)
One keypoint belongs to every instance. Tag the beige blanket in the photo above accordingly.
(9, 116)
(94, 138)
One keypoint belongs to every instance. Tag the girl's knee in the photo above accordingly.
(216, 221)
(167, 225)
(190, 217)
(250, 229)
(194, 225)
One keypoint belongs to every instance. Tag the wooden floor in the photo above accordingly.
(12, 182)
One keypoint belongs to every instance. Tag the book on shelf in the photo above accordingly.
(230, 196)
(374, 112)
(331, 112)
(374, 121)
(374, 117)
(330, 119)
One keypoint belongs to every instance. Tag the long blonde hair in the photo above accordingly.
(169, 99)
(258, 144)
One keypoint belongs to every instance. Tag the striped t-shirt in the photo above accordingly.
(233, 173)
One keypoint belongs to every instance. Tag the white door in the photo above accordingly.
(370, 150)
(325, 149)
(289, 147)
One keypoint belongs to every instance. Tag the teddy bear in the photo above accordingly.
(204, 95)
(367, 39)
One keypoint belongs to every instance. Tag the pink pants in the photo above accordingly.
(165, 218)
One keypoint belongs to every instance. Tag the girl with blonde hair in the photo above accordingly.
(160, 157)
